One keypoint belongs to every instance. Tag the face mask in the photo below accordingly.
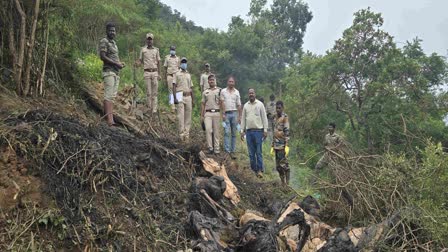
(172, 52)
(183, 66)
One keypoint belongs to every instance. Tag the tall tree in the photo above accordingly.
(360, 54)
(290, 19)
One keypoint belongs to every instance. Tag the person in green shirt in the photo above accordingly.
(111, 67)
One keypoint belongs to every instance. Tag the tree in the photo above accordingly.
(385, 90)
(290, 18)
(361, 52)
(281, 29)
(21, 20)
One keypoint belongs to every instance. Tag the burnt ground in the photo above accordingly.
(81, 185)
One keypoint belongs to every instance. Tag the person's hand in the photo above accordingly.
(265, 134)
(159, 77)
(239, 120)
(120, 65)
(242, 136)
(202, 118)
(137, 63)
(223, 116)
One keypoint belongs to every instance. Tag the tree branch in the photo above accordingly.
(348, 113)
(26, 89)
(19, 65)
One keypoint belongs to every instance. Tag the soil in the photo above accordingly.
(69, 182)
(17, 186)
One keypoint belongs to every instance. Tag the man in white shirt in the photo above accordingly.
(254, 125)
(232, 103)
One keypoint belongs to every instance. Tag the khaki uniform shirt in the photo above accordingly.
(332, 140)
(110, 48)
(270, 109)
(204, 81)
(211, 98)
(183, 82)
(172, 64)
(150, 57)
(254, 116)
(281, 131)
(231, 99)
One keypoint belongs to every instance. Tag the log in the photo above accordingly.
(96, 99)
(260, 234)
(251, 215)
(211, 166)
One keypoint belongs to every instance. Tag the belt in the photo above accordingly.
(151, 70)
(170, 75)
(212, 110)
(255, 130)
(231, 111)
(186, 93)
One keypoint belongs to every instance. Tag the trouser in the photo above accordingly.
(254, 139)
(152, 86)
(212, 126)
(111, 82)
(169, 83)
(184, 109)
(282, 165)
(230, 131)
(323, 161)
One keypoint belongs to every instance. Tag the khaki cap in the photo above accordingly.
(149, 35)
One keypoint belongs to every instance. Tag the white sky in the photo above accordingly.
(404, 19)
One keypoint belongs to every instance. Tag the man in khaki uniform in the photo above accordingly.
(211, 113)
(182, 83)
(204, 78)
(111, 67)
(150, 58)
(332, 141)
(171, 65)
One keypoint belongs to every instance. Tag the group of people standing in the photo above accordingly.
(220, 108)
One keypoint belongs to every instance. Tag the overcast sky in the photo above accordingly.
(404, 19)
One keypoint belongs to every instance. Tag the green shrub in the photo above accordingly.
(431, 193)
(90, 67)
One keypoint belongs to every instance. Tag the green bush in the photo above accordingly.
(431, 194)
(90, 67)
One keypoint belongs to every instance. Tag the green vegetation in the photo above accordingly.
(383, 99)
